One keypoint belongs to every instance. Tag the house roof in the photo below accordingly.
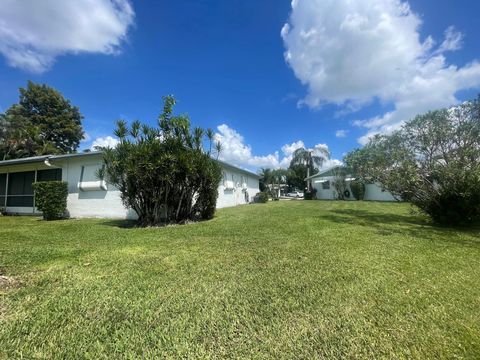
(43, 158)
(38, 159)
(325, 172)
(238, 168)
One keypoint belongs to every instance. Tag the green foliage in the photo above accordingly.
(271, 181)
(51, 199)
(43, 122)
(358, 189)
(209, 177)
(310, 159)
(297, 173)
(262, 197)
(432, 161)
(164, 173)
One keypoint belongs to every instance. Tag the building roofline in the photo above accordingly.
(238, 168)
(27, 160)
(42, 158)
(67, 156)
(319, 174)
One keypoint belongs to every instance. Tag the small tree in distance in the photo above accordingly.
(164, 173)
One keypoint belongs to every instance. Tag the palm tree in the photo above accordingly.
(310, 158)
(265, 178)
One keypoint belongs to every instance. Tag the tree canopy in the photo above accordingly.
(42, 122)
(310, 158)
(432, 161)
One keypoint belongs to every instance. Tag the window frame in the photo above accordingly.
(4, 198)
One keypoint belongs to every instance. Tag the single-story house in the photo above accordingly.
(89, 196)
(323, 182)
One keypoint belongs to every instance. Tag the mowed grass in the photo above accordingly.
(293, 279)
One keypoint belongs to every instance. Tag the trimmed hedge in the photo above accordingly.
(51, 199)
(358, 189)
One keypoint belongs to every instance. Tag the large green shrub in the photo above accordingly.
(358, 189)
(51, 199)
(166, 173)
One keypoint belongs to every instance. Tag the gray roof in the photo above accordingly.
(38, 159)
(238, 168)
(327, 170)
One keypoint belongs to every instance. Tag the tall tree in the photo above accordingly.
(310, 158)
(266, 176)
(432, 161)
(43, 122)
(296, 176)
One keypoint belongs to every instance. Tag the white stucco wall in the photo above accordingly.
(99, 203)
(373, 192)
(329, 194)
(107, 203)
(228, 197)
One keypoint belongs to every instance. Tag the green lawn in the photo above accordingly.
(292, 279)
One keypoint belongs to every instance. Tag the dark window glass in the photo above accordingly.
(49, 175)
(3, 184)
(2, 201)
(326, 185)
(21, 183)
(20, 201)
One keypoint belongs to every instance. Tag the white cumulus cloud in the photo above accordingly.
(351, 53)
(237, 152)
(107, 141)
(33, 33)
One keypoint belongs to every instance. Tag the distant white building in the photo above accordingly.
(323, 183)
(90, 197)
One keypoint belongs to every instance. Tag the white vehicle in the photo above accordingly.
(295, 194)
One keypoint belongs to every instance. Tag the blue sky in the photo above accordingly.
(339, 72)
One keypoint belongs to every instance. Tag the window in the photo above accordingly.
(49, 175)
(20, 189)
(3, 189)
(326, 185)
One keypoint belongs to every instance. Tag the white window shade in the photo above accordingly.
(89, 180)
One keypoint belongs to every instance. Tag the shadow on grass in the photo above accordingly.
(122, 224)
(417, 226)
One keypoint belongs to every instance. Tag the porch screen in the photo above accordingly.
(20, 189)
(49, 175)
(3, 189)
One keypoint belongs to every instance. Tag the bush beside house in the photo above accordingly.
(358, 189)
(51, 199)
